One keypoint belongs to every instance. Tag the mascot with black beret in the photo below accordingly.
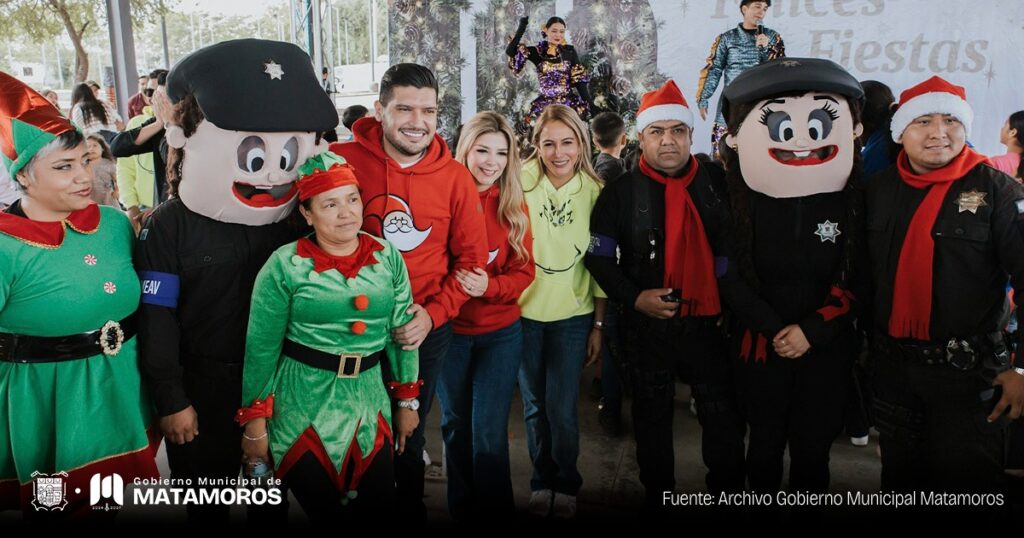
(791, 281)
(247, 113)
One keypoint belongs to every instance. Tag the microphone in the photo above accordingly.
(760, 29)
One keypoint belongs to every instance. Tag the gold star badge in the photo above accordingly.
(273, 69)
(971, 200)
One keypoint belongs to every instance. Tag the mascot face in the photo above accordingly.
(798, 145)
(242, 177)
(261, 105)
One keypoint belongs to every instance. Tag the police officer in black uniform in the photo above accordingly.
(644, 257)
(199, 253)
(945, 231)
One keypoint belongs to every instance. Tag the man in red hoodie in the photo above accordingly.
(424, 202)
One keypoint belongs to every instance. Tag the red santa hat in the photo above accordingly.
(665, 103)
(933, 96)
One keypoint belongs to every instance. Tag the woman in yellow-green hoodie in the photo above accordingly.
(562, 310)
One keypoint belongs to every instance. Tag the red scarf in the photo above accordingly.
(689, 264)
(912, 288)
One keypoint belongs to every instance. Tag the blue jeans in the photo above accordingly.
(549, 378)
(476, 386)
(409, 465)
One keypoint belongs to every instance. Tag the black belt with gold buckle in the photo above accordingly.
(346, 365)
(25, 349)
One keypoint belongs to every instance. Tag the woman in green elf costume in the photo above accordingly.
(319, 333)
(73, 413)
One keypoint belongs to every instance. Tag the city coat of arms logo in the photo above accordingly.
(49, 491)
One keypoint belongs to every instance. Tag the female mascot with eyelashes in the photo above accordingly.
(789, 277)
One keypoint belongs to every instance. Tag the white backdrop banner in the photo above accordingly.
(899, 42)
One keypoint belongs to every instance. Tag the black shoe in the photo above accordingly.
(610, 421)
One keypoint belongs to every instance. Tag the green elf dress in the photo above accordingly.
(66, 413)
(342, 306)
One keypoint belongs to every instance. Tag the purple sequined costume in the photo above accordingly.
(557, 75)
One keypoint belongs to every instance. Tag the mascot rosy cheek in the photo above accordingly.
(234, 155)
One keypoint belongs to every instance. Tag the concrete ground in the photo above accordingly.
(611, 486)
(611, 489)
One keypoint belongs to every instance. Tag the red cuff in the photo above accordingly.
(492, 287)
(258, 409)
(405, 391)
(837, 303)
(437, 314)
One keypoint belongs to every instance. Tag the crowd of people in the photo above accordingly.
(217, 274)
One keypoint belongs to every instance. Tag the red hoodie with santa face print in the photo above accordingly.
(430, 211)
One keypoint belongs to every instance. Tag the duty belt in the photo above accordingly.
(962, 354)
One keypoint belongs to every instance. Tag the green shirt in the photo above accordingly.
(135, 175)
(560, 221)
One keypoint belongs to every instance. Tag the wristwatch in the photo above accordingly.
(411, 404)
(599, 325)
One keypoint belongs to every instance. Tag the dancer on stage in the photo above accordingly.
(560, 74)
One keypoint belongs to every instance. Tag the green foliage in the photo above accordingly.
(497, 88)
(427, 33)
(43, 21)
(618, 41)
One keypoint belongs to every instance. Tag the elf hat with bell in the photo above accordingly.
(27, 123)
